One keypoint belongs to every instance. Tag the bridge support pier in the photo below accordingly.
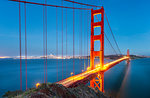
(128, 55)
(98, 82)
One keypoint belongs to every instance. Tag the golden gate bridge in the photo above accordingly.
(94, 73)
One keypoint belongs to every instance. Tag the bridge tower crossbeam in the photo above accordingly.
(97, 82)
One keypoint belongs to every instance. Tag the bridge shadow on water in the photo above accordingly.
(115, 79)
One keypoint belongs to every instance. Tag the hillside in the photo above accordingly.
(57, 91)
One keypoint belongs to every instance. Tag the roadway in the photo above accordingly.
(88, 75)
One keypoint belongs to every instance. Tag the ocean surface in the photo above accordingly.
(122, 81)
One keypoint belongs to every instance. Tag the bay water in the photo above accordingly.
(122, 81)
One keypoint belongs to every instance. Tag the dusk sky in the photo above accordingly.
(129, 20)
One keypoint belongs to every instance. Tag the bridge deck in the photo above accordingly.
(89, 74)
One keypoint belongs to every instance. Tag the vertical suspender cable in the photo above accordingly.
(44, 41)
(81, 39)
(66, 42)
(88, 37)
(46, 36)
(20, 46)
(57, 41)
(84, 40)
(62, 39)
(73, 41)
(25, 45)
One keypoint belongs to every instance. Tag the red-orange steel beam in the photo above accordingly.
(49, 5)
(98, 11)
(97, 37)
(96, 53)
(102, 37)
(99, 53)
(128, 53)
(97, 24)
(92, 47)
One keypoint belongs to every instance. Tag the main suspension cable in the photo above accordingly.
(112, 34)
(108, 40)
(82, 3)
(73, 42)
(49, 5)
(110, 43)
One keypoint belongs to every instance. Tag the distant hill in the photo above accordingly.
(119, 56)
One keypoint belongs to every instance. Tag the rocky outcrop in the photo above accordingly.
(59, 91)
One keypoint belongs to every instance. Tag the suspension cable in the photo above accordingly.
(88, 37)
(46, 35)
(82, 3)
(25, 44)
(110, 43)
(81, 38)
(62, 39)
(73, 41)
(84, 41)
(20, 46)
(66, 43)
(109, 40)
(112, 34)
(57, 41)
(49, 5)
(44, 40)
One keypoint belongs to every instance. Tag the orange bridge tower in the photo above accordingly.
(98, 82)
